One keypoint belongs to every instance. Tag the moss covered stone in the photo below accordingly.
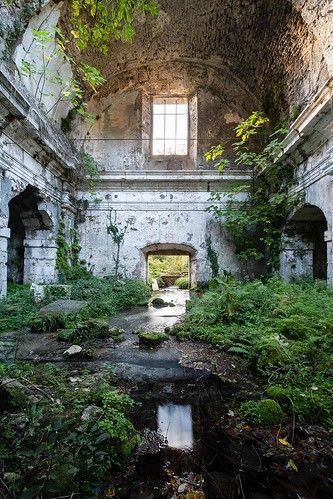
(47, 323)
(93, 328)
(152, 339)
(263, 412)
(117, 334)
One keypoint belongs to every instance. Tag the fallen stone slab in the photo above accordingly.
(63, 307)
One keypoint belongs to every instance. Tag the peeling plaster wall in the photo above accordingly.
(43, 88)
(154, 217)
(120, 139)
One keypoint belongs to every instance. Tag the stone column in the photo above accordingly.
(4, 236)
(40, 261)
(329, 243)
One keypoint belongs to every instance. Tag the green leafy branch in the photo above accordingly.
(95, 22)
(71, 89)
(256, 223)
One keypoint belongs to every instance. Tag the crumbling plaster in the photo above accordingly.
(230, 58)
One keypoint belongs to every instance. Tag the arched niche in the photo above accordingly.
(31, 244)
(304, 251)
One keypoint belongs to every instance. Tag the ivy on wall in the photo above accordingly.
(256, 223)
(117, 233)
(68, 262)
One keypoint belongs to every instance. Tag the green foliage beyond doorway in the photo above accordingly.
(167, 269)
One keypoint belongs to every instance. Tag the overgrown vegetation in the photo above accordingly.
(18, 308)
(68, 263)
(61, 435)
(95, 22)
(182, 283)
(92, 170)
(283, 331)
(103, 297)
(256, 222)
(160, 266)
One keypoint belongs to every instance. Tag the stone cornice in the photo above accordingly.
(197, 180)
(21, 106)
(314, 126)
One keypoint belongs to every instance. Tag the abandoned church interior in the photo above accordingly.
(165, 101)
(166, 249)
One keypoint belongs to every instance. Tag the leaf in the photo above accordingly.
(292, 465)
(32, 492)
(284, 442)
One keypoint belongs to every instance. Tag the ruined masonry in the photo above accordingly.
(204, 66)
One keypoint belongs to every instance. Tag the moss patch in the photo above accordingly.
(152, 339)
(264, 412)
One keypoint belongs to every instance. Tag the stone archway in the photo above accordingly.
(304, 253)
(172, 249)
(31, 244)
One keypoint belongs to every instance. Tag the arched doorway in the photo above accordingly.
(172, 250)
(304, 253)
(31, 246)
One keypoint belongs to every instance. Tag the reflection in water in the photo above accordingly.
(175, 425)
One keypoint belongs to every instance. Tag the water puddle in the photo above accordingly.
(174, 423)
(187, 451)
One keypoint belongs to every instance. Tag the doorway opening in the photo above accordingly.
(169, 270)
(168, 264)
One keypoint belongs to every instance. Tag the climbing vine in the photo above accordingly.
(256, 222)
(91, 169)
(117, 233)
(48, 46)
(212, 256)
(68, 262)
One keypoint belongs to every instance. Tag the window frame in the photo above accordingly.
(166, 98)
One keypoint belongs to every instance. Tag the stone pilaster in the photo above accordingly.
(4, 236)
(40, 261)
(329, 243)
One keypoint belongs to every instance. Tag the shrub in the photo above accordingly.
(182, 283)
(47, 323)
(66, 335)
(295, 327)
(283, 331)
(264, 412)
(104, 297)
(17, 309)
(50, 447)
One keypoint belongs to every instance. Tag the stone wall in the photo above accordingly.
(157, 211)
(120, 139)
(37, 164)
(229, 58)
(310, 146)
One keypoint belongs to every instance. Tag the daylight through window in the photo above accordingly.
(170, 126)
